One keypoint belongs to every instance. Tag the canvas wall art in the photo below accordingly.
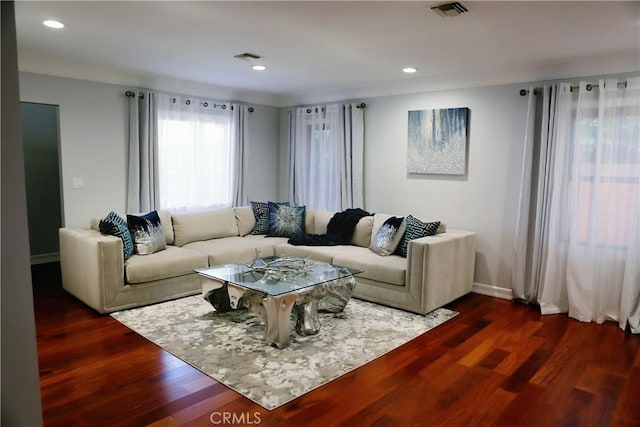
(438, 141)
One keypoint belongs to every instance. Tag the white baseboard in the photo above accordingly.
(492, 291)
(45, 258)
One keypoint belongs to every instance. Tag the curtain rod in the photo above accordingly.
(131, 94)
(361, 105)
(310, 109)
(589, 86)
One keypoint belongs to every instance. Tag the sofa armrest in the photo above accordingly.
(92, 266)
(440, 268)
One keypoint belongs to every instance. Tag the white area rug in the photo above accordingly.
(230, 347)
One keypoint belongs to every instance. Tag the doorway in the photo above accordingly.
(41, 145)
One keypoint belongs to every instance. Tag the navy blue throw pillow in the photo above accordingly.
(416, 229)
(147, 233)
(114, 225)
(261, 213)
(286, 220)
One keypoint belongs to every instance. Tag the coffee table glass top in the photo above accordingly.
(278, 275)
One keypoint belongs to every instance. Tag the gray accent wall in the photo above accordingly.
(40, 144)
(93, 120)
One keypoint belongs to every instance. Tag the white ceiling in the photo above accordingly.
(316, 51)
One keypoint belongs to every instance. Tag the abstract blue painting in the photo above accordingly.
(438, 141)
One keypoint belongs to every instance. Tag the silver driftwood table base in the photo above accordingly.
(276, 311)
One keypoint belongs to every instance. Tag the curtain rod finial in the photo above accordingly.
(523, 92)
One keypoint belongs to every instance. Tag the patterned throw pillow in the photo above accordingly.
(147, 234)
(387, 237)
(286, 220)
(415, 230)
(114, 225)
(261, 213)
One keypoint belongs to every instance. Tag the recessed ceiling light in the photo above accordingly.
(53, 23)
(409, 70)
(258, 67)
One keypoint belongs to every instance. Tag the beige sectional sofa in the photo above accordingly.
(437, 270)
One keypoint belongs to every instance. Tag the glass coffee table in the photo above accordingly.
(276, 287)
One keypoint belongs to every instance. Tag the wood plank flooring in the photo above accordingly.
(498, 363)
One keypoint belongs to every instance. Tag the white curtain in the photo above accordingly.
(142, 194)
(185, 153)
(239, 167)
(537, 168)
(326, 155)
(581, 212)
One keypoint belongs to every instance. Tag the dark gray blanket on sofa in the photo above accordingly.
(339, 230)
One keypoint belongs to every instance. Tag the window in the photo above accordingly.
(326, 146)
(581, 253)
(316, 148)
(196, 155)
(604, 177)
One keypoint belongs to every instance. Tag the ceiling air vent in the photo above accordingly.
(449, 9)
(246, 56)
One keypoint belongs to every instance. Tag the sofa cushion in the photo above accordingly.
(321, 220)
(416, 229)
(146, 231)
(245, 219)
(387, 238)
(172, 262)
(261, 242)
(310, 221)
(390, 269)
(285, 220)
(362, 233)
(273, 241)
(319, 253)
(167, 226)
(204, 225)
(233, 249)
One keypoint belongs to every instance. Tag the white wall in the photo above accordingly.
(93, 118)
(262, 150)
(483, 201)
(93, 130)
(93, 144)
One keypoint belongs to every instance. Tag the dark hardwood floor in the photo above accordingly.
(498, 363)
